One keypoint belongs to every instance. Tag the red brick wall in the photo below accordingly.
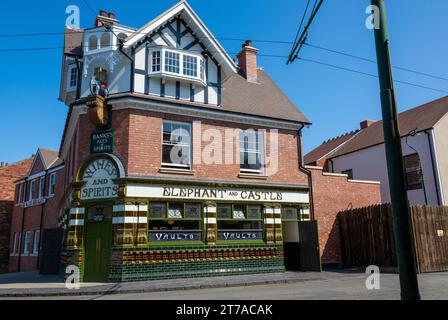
(11, 173)
(5, 228)
(138, 136)
(32, 218)
(332, 194)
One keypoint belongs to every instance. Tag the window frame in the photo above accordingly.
(41, 188)
(19, 192)
(31, 190)
(407, 171)
(26, 243)
(14, 244)
(52, 184)
(166, 204)
(190, 146)
(300, 212)
(246, 219)
(261, 152)
(73, 68)
(36, 242)
(162, 70)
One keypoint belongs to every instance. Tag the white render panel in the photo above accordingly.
(139, 83)
(170, 89)
(197, 193)
(199, 94)
(159, 41)
(212, 95)
(441, 156)
(140, 56)
(154, 86)
(184, 91)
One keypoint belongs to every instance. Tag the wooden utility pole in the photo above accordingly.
(392, 138)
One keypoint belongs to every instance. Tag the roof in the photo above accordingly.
(327, 147)
(73, 42)
(49, 157)
(420, 118)
(9, 174)
(193, 21)
(264, 98)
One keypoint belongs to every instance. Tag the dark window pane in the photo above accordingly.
(192, 211)
(157, 210)
(224, 211)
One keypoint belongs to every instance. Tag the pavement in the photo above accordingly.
(336, 285)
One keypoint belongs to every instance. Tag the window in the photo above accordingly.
(172, 61)
(176, 145)
(251, 142)
(174, 221)
(202, 70)
(239, 222)
(36, 242)
(349, 173)
(20, 190)
(190, 66)
(73, 77)
(413, 172)
(19, 242)
(155, 61)
(41, 187)
(32, 188)
(105, 40)
(93, 43)
(52, 186)
(26, 243)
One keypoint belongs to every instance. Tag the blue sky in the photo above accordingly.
(334, 100)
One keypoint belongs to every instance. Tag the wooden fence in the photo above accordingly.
(367, 237)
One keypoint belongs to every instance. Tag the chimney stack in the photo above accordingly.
(247, 60)
(1, 164)
(366, 123)
(104, 18)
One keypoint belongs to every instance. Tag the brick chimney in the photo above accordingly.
(247, 60)
(104, 18)
(366, 123)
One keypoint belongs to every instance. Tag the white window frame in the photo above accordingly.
(26, 243)
(32, 189)
(176, 165)
(20, 191)
(19, 243)
(41, 190)
(71, 69)
(36, 242)
(52, 184)
(260, 171)
(200, 72)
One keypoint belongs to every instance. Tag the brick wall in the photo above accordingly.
(138, 137)
(11, 173)
(5, 228)
(333, 193)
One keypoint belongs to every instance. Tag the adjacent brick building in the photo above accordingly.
(9, 173)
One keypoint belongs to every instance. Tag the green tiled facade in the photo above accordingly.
(134, 264)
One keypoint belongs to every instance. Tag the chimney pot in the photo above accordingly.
(111, 15)
(103, 13)
(1, 164)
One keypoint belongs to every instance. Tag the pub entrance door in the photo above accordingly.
(97, 244)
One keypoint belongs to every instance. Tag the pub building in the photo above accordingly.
(178, 160)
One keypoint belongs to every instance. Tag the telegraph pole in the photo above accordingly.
(400, 206)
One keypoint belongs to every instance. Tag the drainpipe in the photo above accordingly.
(306, 171)
(435, 175)
(42, 207)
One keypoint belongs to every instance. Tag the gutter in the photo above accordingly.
(306, 171)
(434, 165)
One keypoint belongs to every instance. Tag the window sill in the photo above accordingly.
(177, 171)
(252, 176)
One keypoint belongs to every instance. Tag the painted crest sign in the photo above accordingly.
(98, 177)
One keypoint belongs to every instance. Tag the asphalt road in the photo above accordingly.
(348, 287)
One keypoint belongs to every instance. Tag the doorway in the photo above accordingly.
(97, 244)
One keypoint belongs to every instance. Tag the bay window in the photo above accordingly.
(174, 221)
(237, 222)
(176, 144)
(177, 64)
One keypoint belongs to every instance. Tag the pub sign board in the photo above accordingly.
(102, 142)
